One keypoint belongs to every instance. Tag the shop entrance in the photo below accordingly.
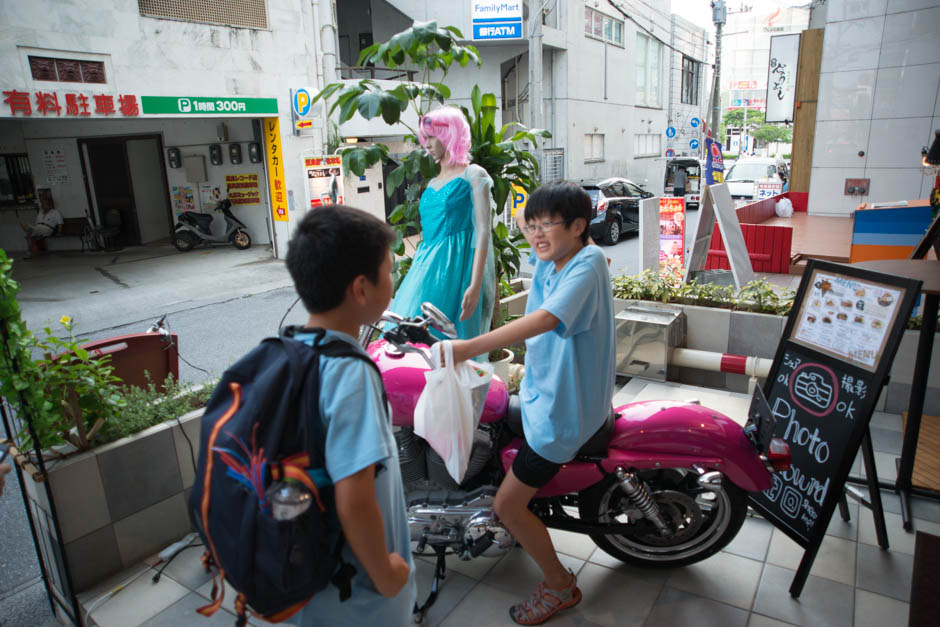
(125, 181)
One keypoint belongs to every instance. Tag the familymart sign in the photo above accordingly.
(194, 105)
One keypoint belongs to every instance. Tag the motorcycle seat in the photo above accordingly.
(596, 444)
(202, 220)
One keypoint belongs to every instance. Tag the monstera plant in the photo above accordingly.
(429, 52)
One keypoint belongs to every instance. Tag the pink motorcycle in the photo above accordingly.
(661, 484)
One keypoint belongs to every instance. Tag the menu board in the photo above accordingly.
(822, 412)
(846, 317)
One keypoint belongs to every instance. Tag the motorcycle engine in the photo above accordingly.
(443, 513)
(462, 521)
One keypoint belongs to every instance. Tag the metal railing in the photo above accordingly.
(376, 73)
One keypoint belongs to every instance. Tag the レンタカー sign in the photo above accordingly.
(276, 184)
(496, 19)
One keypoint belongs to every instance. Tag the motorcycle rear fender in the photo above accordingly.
(664, 434)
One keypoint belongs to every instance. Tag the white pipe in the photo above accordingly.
(722, 362)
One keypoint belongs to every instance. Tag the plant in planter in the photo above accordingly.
(432, 51)
(88, 490)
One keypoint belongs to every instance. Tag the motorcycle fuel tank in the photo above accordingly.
(403, 377)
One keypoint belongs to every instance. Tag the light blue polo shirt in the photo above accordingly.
(359, 434)
(569, 371)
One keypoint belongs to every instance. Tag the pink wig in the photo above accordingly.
(449, 126)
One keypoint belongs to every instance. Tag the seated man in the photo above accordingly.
(48, 222)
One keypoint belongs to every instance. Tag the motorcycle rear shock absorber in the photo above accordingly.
(641, 499)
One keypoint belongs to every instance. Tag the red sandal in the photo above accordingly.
(545, 602)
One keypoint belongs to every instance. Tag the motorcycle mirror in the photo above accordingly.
(438, 320)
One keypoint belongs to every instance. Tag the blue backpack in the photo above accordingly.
(263, 424)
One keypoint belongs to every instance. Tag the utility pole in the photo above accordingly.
(719, 16)
(535, 79)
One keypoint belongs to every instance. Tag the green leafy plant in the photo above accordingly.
(149, 405)
(427, 50)
(758, 295)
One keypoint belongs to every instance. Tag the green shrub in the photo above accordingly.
(147, 406)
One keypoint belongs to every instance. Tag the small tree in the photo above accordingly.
(431, 51)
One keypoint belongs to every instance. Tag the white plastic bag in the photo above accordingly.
(449, 408)
(784, 208)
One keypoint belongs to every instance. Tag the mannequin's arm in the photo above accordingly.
(481, 220)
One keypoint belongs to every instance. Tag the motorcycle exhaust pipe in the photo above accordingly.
(638, 495)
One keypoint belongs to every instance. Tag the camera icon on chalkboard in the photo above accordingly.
(790, 501)
(812, 388)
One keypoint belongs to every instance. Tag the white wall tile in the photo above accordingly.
(827, 191)
(889, 184)
(910, 38)
(898, 6)
(846, 95)
(837, 144)
(905, 92)
(841, 10)
(852, 45)
(897, 143)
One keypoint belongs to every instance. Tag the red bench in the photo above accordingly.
(769, 247)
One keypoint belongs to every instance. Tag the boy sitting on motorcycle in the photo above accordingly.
(569, 375)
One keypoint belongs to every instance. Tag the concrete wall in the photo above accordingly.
(878, 102)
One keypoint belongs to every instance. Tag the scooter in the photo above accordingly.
(661, 484)
(196, 228)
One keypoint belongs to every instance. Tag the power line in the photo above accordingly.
(651, 33)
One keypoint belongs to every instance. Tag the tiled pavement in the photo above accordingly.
(853, 582)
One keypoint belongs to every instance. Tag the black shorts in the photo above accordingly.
(532, 469)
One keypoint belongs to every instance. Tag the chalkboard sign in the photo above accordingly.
(840, 339)
(822, 413)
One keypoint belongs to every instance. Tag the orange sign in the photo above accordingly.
(278, 188)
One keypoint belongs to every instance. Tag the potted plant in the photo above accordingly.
(100, 464)
(429, 50)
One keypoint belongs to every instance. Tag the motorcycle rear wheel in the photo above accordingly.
(704, 521)
(184, 240)
(240, 239)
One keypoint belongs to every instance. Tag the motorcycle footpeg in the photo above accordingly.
(482, 544)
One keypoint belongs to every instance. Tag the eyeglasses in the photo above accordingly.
(544, 227)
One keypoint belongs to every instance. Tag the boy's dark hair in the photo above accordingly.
(332, 246)
(560, 198)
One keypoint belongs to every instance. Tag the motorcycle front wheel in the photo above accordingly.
(702, 521)
(240, 239)
(184, 240)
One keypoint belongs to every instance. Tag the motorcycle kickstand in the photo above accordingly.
(440, 572)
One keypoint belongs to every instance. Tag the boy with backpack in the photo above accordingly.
(569, 375)
(340, 261)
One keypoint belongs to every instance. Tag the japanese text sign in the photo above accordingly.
(278, 188)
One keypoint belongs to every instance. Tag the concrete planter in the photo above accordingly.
(116, 504)
(515, 305)
(757, 335)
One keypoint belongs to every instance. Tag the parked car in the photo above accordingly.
(693, 188)
(615, 207)
(742, 178)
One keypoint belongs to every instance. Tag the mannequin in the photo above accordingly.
(453, 266)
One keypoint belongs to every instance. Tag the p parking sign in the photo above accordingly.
(518, 198)
(301, 102)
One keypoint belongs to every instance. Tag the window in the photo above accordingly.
(16, 180)
(690, 74)
(593, 147)
(66, 70)
(601, 26)
(646, 144)
(250, 13)
(648, 54)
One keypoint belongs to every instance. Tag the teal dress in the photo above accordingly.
(442, 266)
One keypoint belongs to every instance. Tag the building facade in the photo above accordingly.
(134, 111)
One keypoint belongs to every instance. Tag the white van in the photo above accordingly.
(694, 169)
(744, 176)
